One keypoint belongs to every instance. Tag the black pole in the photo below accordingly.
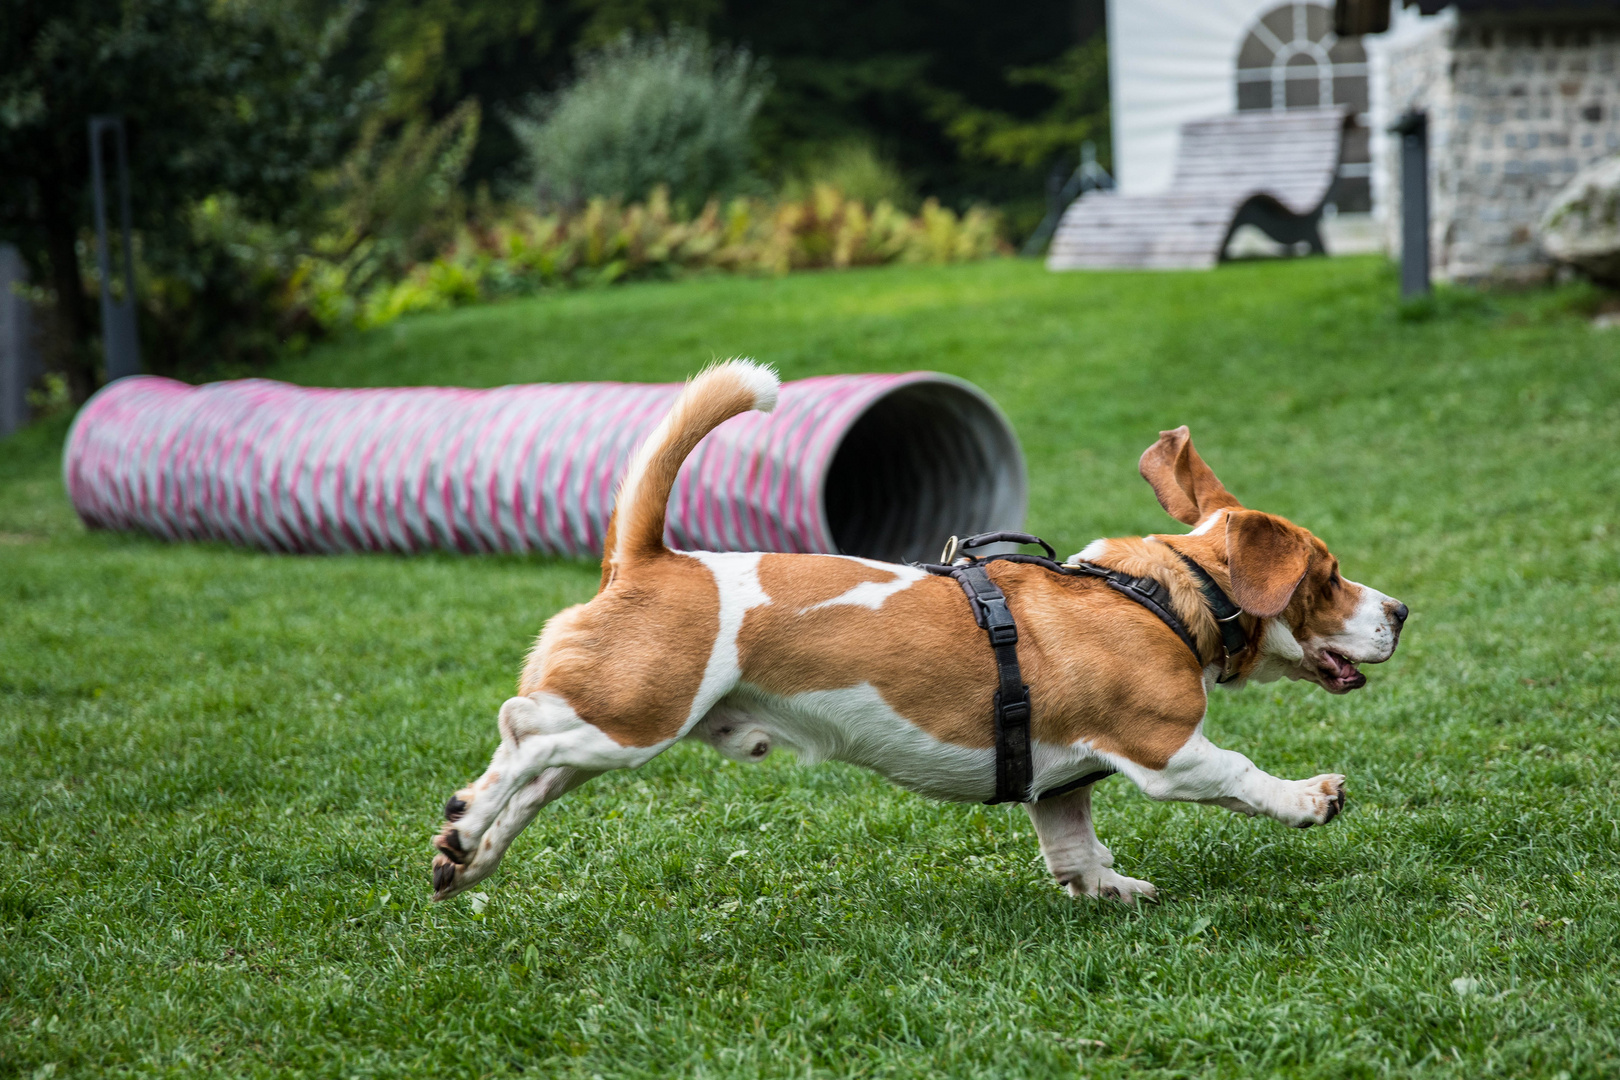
(1413, 129)
(119, 340)
(18, 359)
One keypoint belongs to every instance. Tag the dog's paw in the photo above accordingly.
(451, 878)
(1320, 800)
(444, 878)
(450, 845)
(1108, 885)
(454, 841)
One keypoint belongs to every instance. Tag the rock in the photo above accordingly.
(1582, 224)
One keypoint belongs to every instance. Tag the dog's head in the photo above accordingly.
(1316, 624)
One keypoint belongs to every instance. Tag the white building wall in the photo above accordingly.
(1170, 61)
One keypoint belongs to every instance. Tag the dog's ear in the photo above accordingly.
(1268, 558)
(1186, 487)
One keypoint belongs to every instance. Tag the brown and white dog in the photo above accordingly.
(882, 665)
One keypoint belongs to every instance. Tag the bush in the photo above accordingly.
(247, 100)
(610, 241)
(855, 168)
(402, 194)
(672, 112)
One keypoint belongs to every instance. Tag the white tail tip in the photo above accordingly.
(760, 378)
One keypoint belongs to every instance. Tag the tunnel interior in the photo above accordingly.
(924, 462)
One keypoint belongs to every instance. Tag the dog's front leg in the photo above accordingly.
(1202, 772)
(540, 734)
(450, 878)
(1073, 853)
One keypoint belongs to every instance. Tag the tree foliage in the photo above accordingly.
(219, 97)
(400, 192)
(1078, 113)
(262, 131)
(937, 86)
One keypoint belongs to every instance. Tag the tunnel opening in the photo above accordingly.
(924, 462)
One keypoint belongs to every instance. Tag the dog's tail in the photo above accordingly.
(722, 391)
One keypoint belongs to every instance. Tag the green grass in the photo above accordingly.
(219, 769)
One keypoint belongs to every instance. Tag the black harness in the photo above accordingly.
(1015, 771)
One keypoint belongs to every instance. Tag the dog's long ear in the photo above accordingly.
(1186, 487)
(1268, 558)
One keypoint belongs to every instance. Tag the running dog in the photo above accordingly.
(882, 665)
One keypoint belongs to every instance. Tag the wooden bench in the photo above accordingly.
(1269, 169)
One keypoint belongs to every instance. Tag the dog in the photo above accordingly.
(882, 665)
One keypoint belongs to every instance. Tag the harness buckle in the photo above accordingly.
(1016, 711)
(998, 621)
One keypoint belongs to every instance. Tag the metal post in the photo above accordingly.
(118, 334)
(18, 362)
(1413, 129)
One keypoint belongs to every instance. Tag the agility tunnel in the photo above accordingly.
(885, 466)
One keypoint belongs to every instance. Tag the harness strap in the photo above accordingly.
(1015, 770)
(1150, 593)
(1075, 785)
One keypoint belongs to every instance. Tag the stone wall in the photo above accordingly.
(1514, 112)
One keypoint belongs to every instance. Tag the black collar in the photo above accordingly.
(1233, 639)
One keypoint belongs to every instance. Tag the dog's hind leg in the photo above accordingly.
(450, 878)
(1202, 772)
(1073, 853)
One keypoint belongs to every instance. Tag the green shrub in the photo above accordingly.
(265, 290)
(248, 289)
(608, 241)
(672, 111)
(855, 168)
(402, 193)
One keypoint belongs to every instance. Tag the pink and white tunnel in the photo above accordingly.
(886, 466)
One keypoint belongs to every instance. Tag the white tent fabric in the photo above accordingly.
(1170, 61)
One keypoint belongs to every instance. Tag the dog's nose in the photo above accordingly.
(1400, 613)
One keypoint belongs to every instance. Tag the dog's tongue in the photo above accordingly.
(1343, 671)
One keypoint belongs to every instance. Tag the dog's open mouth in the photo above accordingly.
(1339, 674)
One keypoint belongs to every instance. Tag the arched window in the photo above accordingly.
(1291, 59)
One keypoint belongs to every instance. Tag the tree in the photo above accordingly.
(939, 85)
(1079, 80)
(230, 97)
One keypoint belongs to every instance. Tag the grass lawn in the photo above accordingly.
(219, 769)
